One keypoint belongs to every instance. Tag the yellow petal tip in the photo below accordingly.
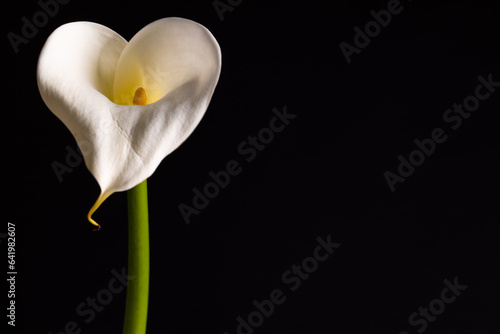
(93, 222)
(96, 205)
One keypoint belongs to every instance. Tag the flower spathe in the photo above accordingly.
(88, 76)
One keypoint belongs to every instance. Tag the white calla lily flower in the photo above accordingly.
(128, 105)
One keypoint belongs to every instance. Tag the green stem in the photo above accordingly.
(136, 308)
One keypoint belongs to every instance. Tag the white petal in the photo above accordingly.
(83, 66)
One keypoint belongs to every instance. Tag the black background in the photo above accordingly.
(323, 175)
